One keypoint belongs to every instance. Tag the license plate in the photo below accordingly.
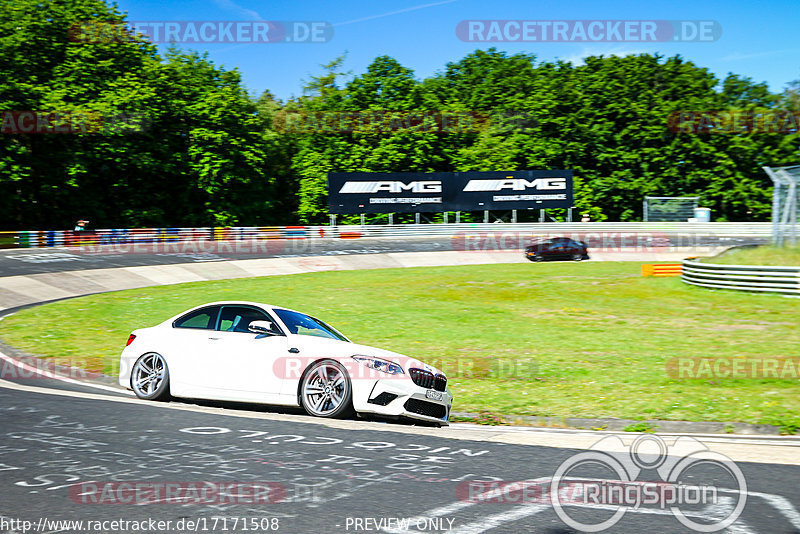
(433, 394)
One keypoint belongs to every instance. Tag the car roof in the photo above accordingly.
(541, 239)
(234, 303)
(243, 303)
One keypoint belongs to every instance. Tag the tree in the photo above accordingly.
(170, 140)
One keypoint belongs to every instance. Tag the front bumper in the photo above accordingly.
(402, 398)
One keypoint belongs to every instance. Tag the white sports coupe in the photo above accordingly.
(251, 352)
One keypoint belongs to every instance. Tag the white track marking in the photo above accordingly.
(453, 507)
(493, 521)
(782, 504)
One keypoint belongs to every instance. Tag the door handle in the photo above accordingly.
(214, 338)
(294, 350)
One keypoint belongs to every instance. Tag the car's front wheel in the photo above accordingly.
(325, 390)
(150, 377)
(577, 257)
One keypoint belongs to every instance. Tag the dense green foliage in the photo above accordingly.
(183, 143)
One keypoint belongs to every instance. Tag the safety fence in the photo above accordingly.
(756, 232)
(742, 277)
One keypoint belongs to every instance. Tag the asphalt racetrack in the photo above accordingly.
(49, 260)
(66, 454)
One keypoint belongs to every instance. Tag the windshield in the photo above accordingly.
(299, 323)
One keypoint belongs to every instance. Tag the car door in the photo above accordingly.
(185, 349)
(561, 248)
(574, 248)
(239, 362)
(551, 248)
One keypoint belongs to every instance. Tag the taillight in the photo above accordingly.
(130, 339)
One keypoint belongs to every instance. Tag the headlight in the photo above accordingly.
(378, 364)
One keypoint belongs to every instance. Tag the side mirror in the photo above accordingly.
(262, 327)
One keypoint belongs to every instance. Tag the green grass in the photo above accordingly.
(764, 255)
(641, 428)
(552, 339)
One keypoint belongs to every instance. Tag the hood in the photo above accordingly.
(344, 349)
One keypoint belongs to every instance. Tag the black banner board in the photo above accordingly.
(410, 192)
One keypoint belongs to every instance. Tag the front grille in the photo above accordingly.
(441, 383)
(426, 379)
(383, 399)
(426, 408)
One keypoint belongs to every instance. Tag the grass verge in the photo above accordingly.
(764, 255)
(552, 339)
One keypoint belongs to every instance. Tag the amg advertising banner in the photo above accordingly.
(409, 192)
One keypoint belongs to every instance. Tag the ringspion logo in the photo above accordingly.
(686, 459)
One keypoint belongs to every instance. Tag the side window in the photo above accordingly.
(238, 318)
(204, 318)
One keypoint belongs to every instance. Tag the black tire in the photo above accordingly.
(577, 257)
(150, 377)
(326, 390)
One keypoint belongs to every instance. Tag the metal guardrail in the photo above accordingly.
(677, 232)
(742, 277)
(665, 228)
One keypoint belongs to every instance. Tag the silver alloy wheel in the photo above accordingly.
(148, 375)
(577, 257)
(324, 389)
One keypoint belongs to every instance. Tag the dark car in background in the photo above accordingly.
(556, 248)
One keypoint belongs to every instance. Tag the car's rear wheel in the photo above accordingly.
(150, 377)
(326, 391)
